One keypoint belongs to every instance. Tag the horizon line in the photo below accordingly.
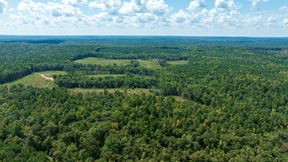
(123, 35)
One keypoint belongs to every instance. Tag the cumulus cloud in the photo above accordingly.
(74, 2)
(225, 4)
(256, 2)
(284, 8)
(200, 14)
(53, 13)
(180, 17)
(196, 4)
(133, 12)
(254, 21)
(271, 21)
(224, 13)
(285, 22)
(49, 9)
(3, 4)
(111, 6)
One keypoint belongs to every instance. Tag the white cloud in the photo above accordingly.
(156, 7)
(271, 21)
(284, 8)
(132, 13)
(3, 4)
(143, 14)
(51, 8)
(130, 8)
(180, 17)
(225, 4)
(224, 13)
(97, 5)
(74, 2)
(51, 13)
(111, 6)
(255, 21)
(256, 2)
(285, 22)
(196, 4)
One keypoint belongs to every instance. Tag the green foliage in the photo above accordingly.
(129, 81)
(117, 127)
(177, 102)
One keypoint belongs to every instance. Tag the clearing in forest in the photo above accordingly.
(102, 61)
(46, 77)
(152, 64)
(39, 80)
(180, 62)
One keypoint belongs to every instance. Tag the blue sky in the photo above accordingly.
(145, 17)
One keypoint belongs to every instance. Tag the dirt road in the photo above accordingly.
(46, 78)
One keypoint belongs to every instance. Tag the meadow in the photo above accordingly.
(36, 80)
(101, 61)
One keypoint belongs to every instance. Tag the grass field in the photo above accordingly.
(100, 90)
(152, 64)
(182, 62)
(36, 80)
(179, 98)
(102, 61)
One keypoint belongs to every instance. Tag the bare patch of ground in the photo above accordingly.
(46, 78)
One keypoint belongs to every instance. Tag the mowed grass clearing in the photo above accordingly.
(152, 64)
(180, 62)
(36, 80)
(102, 61)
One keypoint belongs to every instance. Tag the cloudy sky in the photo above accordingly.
(144, 17)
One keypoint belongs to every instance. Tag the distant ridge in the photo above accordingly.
(115, 39)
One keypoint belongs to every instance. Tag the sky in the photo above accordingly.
(255, 18)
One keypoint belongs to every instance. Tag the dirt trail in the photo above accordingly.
(46, 78)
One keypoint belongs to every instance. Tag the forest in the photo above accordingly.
(82, 99)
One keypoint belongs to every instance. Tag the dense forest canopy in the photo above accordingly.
(208, 99)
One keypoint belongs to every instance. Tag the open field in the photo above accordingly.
(152, 64)
(36, 80)
(180, 99)
(180, 62)
(102, 61)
